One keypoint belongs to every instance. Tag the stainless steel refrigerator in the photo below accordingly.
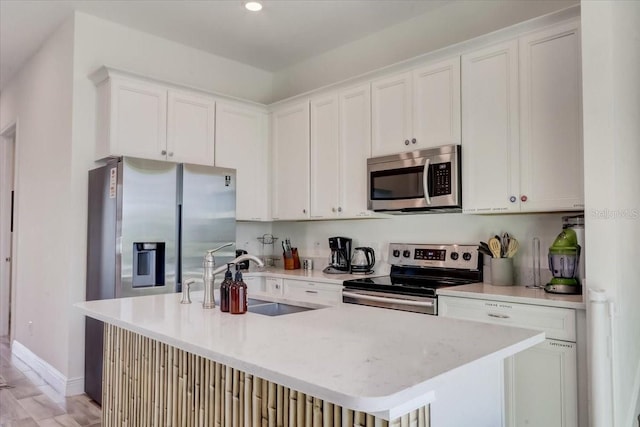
(150, 224)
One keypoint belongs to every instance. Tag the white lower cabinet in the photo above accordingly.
(541, 385)
(314, 292)
(258, 286)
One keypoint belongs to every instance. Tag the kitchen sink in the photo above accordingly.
(276, 309)
(253, 301)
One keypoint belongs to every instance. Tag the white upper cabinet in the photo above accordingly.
(551, 120)
(242, 144)
(391, 111)
(436, 104)
(355, 149)
(521, 124)
(325, 157)
(490, 144)
(132, 119)
(417, 109)
(191, 127)
(141, 118)
(290, 163)
(340, 147)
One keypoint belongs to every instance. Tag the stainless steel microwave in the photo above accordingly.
(416, 181)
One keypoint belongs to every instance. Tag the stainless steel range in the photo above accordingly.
(417, 271)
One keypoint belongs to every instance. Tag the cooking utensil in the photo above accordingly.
(505, 242)
(495, 247)
(512, 248)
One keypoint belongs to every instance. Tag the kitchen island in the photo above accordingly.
(172, 364)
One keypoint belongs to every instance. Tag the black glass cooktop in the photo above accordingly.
(415, 281)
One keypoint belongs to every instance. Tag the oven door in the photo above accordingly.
(419, 180)
(426, 305)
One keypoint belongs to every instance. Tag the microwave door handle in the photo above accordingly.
(425, 181)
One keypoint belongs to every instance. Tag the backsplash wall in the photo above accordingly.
(311, 236)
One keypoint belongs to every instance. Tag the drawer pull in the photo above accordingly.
(498, 316)
(311, 292)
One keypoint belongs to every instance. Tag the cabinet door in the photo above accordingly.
(190, 128)
(551, 120)
(391, 115)
(290, 185)
(436, 104)
(325, 157)
(490, 145)
(138, 114)
(355, 149)
(541, 387)
(242, 144)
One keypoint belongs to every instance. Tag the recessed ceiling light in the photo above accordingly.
(253, 6)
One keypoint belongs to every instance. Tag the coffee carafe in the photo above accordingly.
(340, 258)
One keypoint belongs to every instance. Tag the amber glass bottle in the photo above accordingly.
(225, 289)
(238, 294)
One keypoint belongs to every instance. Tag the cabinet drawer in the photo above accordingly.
(320, 293)
(557, 323)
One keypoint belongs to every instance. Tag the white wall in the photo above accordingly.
(99, 42)
(611, 93)
(446, 25)
(311, 237)
(40, 97)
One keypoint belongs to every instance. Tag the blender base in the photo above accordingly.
(563, 289)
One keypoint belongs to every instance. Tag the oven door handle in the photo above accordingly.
(388, 300)
(425, 181)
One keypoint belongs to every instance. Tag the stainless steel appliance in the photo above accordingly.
(417, 272)
(340, 258)
(416, 181)
(363, 260)
(149, 226)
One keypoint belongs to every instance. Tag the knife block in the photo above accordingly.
(291, 262)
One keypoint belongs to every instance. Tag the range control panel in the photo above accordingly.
(444, 256)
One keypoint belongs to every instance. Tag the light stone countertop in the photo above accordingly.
(384, 362)
(516, 294)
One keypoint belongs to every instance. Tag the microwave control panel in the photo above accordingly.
(441, 178)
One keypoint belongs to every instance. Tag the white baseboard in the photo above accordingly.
(61, 384)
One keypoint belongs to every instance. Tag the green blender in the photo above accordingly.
(564, 257)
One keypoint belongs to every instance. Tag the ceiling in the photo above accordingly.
(285, 32)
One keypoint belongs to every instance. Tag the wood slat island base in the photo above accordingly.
(150, 383)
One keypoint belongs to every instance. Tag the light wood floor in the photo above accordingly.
(26, 400)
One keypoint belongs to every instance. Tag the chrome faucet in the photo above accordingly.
(210, 271)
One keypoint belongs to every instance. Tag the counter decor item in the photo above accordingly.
(501, 250)
(268, 242)
(290, 256)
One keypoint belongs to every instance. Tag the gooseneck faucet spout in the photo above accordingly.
(210, 271)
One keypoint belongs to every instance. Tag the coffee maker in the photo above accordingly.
(340, 258)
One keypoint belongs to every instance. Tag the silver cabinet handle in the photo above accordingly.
(333, 209)
(170, 153)
(406, 142)
(163, 152)
(498, 316)
(339, 209)
(413, 141)
(311, 292)
(304, 211)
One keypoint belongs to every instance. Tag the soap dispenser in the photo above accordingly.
(238, 294)
(225, 288)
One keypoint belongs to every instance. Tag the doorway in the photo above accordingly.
(7, 229)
